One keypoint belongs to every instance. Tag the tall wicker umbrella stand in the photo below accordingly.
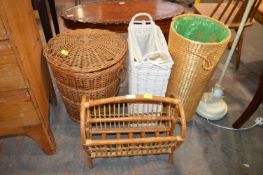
(196, 44)
(87, 61)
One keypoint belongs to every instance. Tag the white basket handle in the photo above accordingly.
(133, 23)
(142, 22)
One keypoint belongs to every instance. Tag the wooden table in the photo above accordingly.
(115, 15)
(258, 97)
(252, 107)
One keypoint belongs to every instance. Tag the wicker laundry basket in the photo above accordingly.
(110, 127)
(87, 61)
(195, 59)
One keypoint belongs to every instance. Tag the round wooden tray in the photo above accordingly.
(115, 15)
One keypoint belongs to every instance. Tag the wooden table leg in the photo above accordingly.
(54, 15)
(252, 107)
(44, 18)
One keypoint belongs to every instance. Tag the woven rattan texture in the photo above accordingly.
(123, 126)
(75, 95)
(72, 97)
(194, 64)
(86, 50)
(73, 109)
(90, 81)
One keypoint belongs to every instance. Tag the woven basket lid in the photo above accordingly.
(85, 50)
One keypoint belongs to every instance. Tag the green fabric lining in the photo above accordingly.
(200, 29)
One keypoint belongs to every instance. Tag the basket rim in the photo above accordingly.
(202, 16)
(87, 73)
(90, 90)
(79, 103)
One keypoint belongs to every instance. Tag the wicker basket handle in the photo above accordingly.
(143, 21)
(207, 64)
(121, 74)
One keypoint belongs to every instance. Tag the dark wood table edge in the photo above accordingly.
(117, 26)
(252, 107)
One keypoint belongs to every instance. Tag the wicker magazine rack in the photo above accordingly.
(111, 127)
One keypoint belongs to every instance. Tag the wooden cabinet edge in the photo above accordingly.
(39, 131)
